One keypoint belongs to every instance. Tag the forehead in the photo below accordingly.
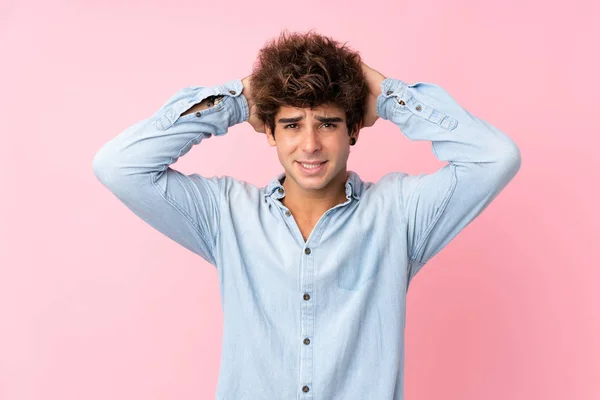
(325, 110)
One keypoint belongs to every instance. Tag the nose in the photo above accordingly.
(311, 142)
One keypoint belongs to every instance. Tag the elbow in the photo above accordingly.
(513, 157)
(509, 161)
(104, 168)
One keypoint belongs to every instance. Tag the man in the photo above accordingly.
(315, 266)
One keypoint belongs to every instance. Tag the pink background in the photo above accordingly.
(96, 305)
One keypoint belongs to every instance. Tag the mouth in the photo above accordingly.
(312, 167)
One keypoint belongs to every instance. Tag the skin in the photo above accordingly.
(310, 139)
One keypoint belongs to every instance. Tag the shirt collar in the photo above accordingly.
(276, 190)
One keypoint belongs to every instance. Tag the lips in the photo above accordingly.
(311, 167)
(311, 163)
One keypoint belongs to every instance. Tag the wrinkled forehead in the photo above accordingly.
(323, 110)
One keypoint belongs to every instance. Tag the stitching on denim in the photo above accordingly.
(183, 107)
(218, 199)
(403, 218)
(185, 215)
(452, 124)
(414, 266)
(180, 150)
(445, 202)
(172, 203)
(435, 151)
(218, 214)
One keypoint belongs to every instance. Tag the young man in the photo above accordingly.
(315, 266)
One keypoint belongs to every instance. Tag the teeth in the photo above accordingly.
(311, 166)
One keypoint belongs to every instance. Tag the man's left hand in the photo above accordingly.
(374, 79)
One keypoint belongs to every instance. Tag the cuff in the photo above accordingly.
(234, 100)
(392, 94)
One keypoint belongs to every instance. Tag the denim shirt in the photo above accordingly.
(324, 318)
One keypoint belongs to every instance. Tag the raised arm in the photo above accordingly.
(136, 164)
(481, 161)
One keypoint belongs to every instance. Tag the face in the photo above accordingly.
(313, 146)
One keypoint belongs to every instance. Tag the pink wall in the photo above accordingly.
(96, 305)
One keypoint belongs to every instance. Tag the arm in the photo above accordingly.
(481, 161)
(136, 164)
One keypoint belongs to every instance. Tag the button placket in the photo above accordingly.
(307, 322)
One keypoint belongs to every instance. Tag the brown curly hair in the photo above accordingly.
(307, 70)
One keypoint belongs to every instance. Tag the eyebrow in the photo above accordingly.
(322, 119)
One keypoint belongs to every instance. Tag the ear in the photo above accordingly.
(356, 130)
(270, 136)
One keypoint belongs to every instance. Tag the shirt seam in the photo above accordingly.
(176, 207)
(445, 201)
(183, 213)
(403, 203)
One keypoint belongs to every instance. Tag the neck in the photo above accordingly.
(309, 205)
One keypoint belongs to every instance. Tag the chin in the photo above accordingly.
(314, 183)
(310, 183)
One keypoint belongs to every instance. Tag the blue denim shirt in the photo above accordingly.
(324, 318)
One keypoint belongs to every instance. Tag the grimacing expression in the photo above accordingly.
(312, 145)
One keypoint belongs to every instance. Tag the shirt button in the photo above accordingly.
(305, 389)
(306, 296)
(401, 102)
(307, 250)
(288, 213)
(418, 108)
(232, 91)
(280, 190)
(389, 92)
(198, 114)
(307, 341)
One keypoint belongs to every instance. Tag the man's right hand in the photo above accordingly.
(253, 119)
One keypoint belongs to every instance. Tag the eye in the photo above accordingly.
(326, 125)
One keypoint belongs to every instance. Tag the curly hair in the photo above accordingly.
(307, 70)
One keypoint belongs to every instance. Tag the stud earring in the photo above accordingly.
(352, 141)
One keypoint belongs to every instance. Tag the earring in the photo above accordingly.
(352, 141)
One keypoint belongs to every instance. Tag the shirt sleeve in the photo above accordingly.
(136, 167)
(481, 161)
